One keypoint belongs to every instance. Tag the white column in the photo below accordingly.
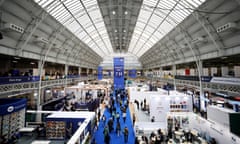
(39, 107)
(87, 72)
(174, 70)
(79, 71)
(66, 74)
(202, 98)
(160, 72)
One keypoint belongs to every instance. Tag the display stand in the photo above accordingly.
(83, 91)
(63, 125)
(12, 117)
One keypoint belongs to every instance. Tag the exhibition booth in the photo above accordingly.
(173, 113)
(12, 118)
(187, 126)
(63, 125)
(86, 96)
(159, 103)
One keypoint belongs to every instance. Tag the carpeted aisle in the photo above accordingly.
(114, 138)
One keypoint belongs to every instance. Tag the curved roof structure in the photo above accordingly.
(87, 33)
(120, 26)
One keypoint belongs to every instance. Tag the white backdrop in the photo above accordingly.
(159, 106)
(219, 132)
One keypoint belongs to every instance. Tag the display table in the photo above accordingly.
(41, 142)
(27, 130)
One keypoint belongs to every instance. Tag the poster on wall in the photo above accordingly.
(159, 106)
(119, 73)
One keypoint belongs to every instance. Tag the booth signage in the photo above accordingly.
(100, 73)
(20, 79)
(132, 73)
(109, 73)
(12, 106)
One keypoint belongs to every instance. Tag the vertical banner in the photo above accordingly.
(132, 73)
(109, 73)
(118, 73)
(100, 73)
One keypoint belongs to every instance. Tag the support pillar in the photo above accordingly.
(79, 71)
(66, 74)
(38, 103)
(174, 70)
(87, 72)
(202, 97)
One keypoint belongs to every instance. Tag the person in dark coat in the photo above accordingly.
(125, 133)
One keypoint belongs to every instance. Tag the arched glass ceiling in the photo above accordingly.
(160, 17)
(81, 17)
(155, 20)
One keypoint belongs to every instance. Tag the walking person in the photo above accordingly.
(124, 117)
(117, 116)
(124, 114)
(104, 120)
(110, 125)
(106, 135)
(134, 119)
(118, 129)
(99, 114)
(125, 133)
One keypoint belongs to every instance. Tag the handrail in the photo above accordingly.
(208, 86)
(25, 86)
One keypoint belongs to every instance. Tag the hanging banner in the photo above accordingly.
(100, 73)
(118, 73)
(132, 73)
(109, 73)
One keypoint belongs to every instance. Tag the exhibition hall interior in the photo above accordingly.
(119, 71)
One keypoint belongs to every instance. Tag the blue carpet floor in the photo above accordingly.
(114, 138)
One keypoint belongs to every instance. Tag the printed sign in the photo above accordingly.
(119, 73)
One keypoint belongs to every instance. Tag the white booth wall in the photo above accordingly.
(221, 133)
(159, 102)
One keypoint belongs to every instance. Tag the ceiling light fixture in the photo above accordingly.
(124, 30)
(115, 30)
(32, 63)
(113, 12)
(126, 12)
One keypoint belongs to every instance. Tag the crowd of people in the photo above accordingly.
(116, 106)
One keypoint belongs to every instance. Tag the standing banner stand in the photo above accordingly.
(118, 73)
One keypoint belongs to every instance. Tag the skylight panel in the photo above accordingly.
(165, 16)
